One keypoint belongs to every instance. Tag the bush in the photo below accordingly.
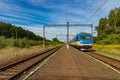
(105, 41)
(110, 39)
(27, 45)
(23, 43)
(19, 43)
(4, 42)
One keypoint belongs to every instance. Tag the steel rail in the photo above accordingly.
(21, 61)
(21, 72)
(108, 60)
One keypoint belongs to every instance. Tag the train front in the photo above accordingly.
(84, 41)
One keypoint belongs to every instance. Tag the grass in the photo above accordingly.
(23, 42)
(108, 50)
(11, 54)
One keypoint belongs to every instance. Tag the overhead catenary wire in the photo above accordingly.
(96, 11)
(41, 8)
(69, 12)
(65, 5)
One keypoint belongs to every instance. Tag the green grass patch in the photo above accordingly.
(112, 51)
(24, 42)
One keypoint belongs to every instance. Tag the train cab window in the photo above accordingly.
(85, 37)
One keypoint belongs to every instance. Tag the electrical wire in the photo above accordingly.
(41, 8)
(96, 11)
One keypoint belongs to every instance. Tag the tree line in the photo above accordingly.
(8, 30)
(108, 29)
(25, 38)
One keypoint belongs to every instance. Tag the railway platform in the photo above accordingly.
(71, 64)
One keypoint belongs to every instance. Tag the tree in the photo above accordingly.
(55, 40)
(101, 28)
(108, 29)
(8, 30)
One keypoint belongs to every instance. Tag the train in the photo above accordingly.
(82, 41)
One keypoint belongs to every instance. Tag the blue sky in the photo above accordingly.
(33, 14)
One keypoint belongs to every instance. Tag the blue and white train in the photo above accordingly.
(82, 41)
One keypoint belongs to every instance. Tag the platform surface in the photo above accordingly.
(70, 64)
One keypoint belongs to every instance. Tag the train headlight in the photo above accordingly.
(78, 43)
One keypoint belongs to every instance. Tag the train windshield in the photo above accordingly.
(85, 37)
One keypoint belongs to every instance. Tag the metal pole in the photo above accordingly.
(115, 25)
(67, 26)
(43, 36)
(92, 32)
(67, 32)
(16, 35)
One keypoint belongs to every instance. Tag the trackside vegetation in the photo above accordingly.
(24, 42)
(8, 30)
(15, 36)
(108, 50)
(108, 28)
(107, 42)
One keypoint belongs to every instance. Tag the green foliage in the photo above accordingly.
(19, 43)
(110, 39)
(23, 42)
(4, 42)
(12, 35)
(55, 40)
(9, 30)
(109, 28)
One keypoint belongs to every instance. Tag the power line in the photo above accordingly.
(41, 8)
(66, 8)
(97, 10)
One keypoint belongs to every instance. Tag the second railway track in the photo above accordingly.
(110, 61)
(15, 70)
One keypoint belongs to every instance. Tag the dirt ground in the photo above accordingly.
(13, 54)
(70, 64)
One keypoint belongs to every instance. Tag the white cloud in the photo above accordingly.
(35, 2)
(58, 13)
(20, 12)
(36, 29)
(52, 32)
(104, 11)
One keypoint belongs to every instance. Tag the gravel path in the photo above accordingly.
(74, 65)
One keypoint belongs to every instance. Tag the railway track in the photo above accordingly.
(113, 63)
(15, 70)
(110, 61)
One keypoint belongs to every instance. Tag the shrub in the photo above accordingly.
(23, 43)
(110, 39)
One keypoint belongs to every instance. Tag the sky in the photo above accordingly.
(33, 14)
